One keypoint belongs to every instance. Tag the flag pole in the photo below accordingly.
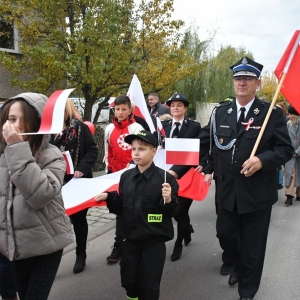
(262, 130)
(285, 70)
(165, 172)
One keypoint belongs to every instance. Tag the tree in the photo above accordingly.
(216, 78)
(268, 87)
(212, 81)
(95, 46)
(199, 51)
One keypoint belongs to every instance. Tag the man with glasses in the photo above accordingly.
(246, 188)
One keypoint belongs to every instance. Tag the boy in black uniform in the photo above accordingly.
(147, 204)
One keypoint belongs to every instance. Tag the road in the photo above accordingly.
(196, 275)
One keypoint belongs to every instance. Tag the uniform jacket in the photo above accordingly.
(189, 129)
(294, 133)
(32, 215)
(117, 152)
(79, 141)
(140, 201)
(258, 191)
(159, 110)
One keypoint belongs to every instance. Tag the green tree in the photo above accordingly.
(215, 76)
(268, 87)
(95, 46)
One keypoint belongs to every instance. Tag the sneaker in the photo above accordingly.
(116, 253)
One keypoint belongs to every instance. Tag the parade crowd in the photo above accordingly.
(34, 228)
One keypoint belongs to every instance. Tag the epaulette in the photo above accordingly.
(266, 103)
(193, 120)
(223, 103)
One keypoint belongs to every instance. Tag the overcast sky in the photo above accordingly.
(263, 27)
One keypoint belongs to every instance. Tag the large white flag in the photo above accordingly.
(135, 93)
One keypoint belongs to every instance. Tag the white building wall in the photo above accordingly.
(203, 112)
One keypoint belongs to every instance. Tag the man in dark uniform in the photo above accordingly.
(246, 186)
(181, 127)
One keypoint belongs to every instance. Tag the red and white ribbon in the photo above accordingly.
(247, 124)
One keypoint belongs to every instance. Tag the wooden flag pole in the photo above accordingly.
(262, 130)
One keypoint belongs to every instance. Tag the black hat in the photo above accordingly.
(144, 135)
(247, 67)
(292, 111)
(178, 97)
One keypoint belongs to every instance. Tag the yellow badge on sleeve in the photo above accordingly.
(155, 218)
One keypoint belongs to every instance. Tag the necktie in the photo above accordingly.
(176, 130)
(241, 118)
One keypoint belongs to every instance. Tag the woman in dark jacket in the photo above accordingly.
(79, 141)
(180, 127)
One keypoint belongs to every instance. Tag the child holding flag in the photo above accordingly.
(118, 155)
(147, 202)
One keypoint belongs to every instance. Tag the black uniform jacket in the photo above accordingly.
(190, 129)
(145, 215)
(258, 191)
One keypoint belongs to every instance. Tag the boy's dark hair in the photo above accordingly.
(122, 99)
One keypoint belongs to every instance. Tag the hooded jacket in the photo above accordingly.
(117, 152)
(32, 215)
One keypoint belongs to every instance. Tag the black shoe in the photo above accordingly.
(298, 198)
(188, 236)
(116, 253)
(177, 251)
(233, 278)
(246, 298)
(226, 269)
(79, 263)
(289, 200)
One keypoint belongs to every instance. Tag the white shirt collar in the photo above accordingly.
(247, 107)
(173, 122)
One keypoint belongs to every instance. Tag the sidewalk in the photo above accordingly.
(99, 220)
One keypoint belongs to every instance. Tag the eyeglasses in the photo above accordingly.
(239, 79)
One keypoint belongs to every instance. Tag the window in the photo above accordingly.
(8, 36)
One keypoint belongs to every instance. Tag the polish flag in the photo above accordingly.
(182, 151)
(111, 102)
(69, 162)
(76, 198)
(53, 113)
(160, 128)
(135, 93)
(289, 64)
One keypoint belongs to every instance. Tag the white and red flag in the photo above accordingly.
(160, 128)
(79, 193)
(53, 113)
(69, 162)
(182, 151)
(135, 93)
(289, 64)
(111, 102)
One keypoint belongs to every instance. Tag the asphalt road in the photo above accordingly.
(196, 275)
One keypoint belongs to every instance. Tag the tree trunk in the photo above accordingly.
(100, 106)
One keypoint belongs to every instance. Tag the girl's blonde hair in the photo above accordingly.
(71, 110)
